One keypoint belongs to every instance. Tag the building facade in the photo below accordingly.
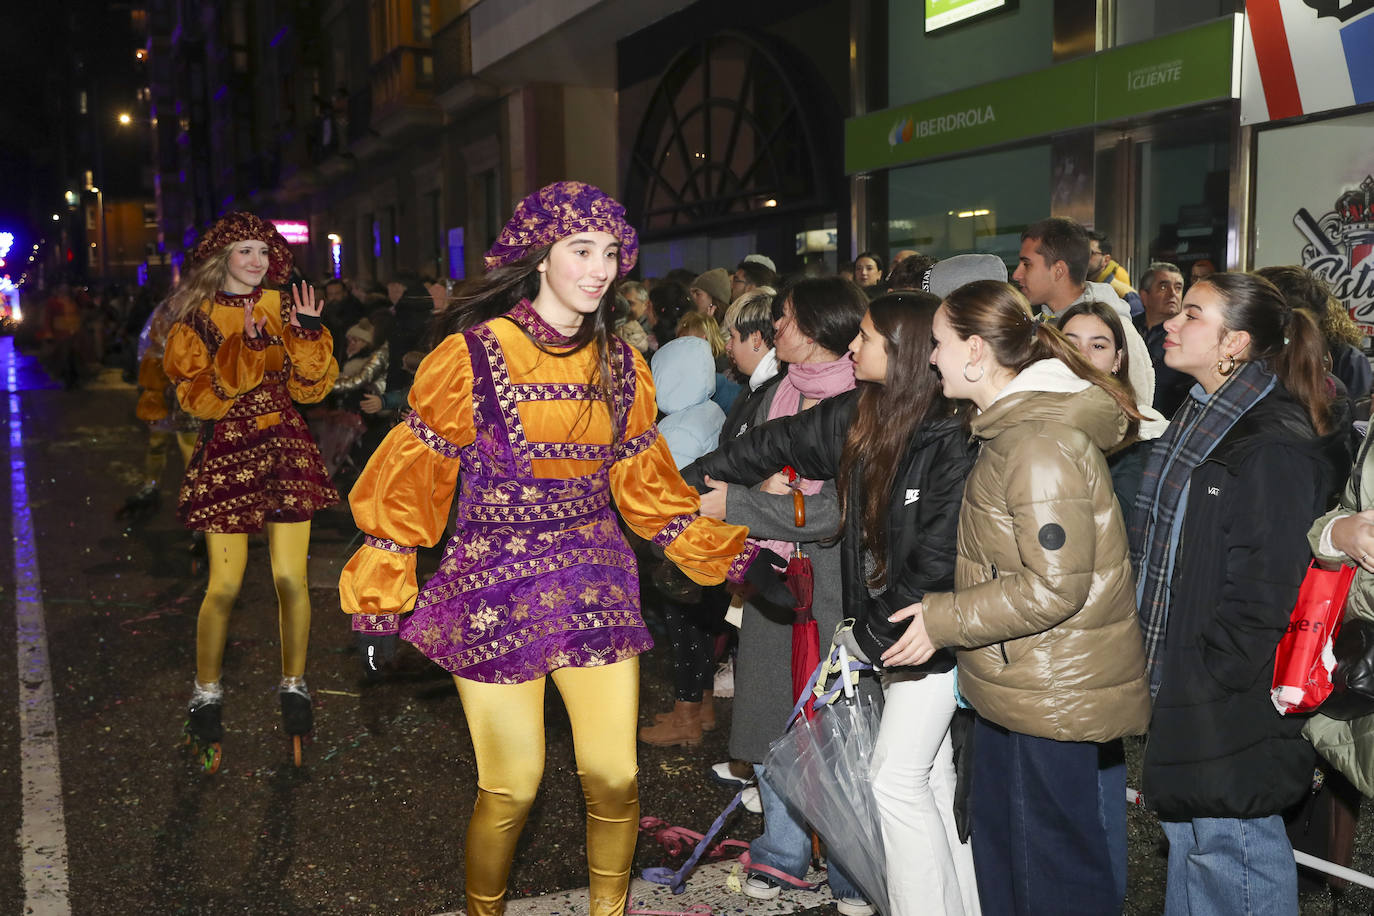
(398, 134)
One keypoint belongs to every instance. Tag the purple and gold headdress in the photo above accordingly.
(557, 211)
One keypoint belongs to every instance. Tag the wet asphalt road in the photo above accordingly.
(373, 822)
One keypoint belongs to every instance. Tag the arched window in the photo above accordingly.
(725, 135)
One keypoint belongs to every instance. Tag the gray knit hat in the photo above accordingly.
(951, 273)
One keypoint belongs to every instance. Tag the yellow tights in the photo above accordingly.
(507, 726)
(288, 543)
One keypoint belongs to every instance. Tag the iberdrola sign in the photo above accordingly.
(1187, 68)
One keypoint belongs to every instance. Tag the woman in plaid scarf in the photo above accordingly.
(1236, 479)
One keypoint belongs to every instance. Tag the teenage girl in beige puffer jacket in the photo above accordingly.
(1043, 612)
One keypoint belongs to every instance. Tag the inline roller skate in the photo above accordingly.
(204, 729)
(297, 716)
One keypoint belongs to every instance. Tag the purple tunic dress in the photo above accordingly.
(537, 575)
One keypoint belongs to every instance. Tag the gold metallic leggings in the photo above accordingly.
(155, 458)
(288, 544)
(507, 726)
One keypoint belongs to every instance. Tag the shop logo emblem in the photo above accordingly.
(1344, 10)
(1340, 248)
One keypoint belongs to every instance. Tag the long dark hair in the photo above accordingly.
(502, 289)
(1287, 339)
(890, 414)
(826, 309)
(1001, 315)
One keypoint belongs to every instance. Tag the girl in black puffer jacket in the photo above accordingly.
(900, 454)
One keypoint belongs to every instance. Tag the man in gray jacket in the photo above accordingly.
(1052, 272)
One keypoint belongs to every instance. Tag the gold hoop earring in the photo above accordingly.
(1230, 367)
(973, 381)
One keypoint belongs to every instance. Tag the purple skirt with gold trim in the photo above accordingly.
(256, 465)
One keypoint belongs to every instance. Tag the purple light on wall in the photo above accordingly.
(277, 38)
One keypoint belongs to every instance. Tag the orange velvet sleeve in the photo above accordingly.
(206, 387)
(401, 500)
(658, 504)
(313, 367)
(152, 393)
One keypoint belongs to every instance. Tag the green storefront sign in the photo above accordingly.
(1186, 68)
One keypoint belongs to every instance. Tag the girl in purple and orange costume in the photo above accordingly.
(549, 417)
(239, 355)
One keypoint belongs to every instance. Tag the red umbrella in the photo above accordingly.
(806, 638)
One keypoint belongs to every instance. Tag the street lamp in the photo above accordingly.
(100, 226)
(125, 118)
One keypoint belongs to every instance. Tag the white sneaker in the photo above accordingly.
(761, 887)
(854, 906)
(721, 773)
(751, 801)
(725, 679)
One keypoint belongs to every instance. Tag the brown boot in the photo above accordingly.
(682, 728)
(708, 712)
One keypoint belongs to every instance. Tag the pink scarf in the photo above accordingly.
(816, 381)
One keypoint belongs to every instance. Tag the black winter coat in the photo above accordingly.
(1217, 747)
(749, 409)
(922, 521)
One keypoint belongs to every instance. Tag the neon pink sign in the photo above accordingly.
(294, 231)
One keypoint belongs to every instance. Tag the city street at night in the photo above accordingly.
(687, 457)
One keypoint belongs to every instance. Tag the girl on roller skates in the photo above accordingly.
(549, 416)
(239, 355)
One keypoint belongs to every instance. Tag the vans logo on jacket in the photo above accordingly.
(1214, 491)
(912, 496)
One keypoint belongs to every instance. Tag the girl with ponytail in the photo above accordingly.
(1243, 468)
(1042, 616)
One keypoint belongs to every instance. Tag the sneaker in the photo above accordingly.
(854, 906)
(761, 887)
(751, 801)
(732, 775)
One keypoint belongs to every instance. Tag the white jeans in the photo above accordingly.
(927, 866)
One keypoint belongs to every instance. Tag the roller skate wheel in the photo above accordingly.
(296, 749)
(210, 758)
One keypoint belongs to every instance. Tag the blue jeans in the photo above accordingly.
(1229, 865)
(1038, 814)
(1111, 807)
(785, 843)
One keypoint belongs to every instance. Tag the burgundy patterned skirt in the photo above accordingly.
(258, 464)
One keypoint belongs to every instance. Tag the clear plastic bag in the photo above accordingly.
(823, 768)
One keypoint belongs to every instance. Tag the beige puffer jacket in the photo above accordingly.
(1044, 610)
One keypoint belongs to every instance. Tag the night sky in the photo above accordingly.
(54, 48)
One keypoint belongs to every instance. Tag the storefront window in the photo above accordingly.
(972, 204)
(1170, 201)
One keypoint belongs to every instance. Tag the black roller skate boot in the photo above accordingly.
(203, 729)
(297, 716)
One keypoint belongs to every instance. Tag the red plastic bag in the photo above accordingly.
(1304, 659)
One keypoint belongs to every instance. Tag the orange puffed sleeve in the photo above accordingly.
(206, 388)
(402, 497)
(152, 394)
(313, 367)
(658, 504)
